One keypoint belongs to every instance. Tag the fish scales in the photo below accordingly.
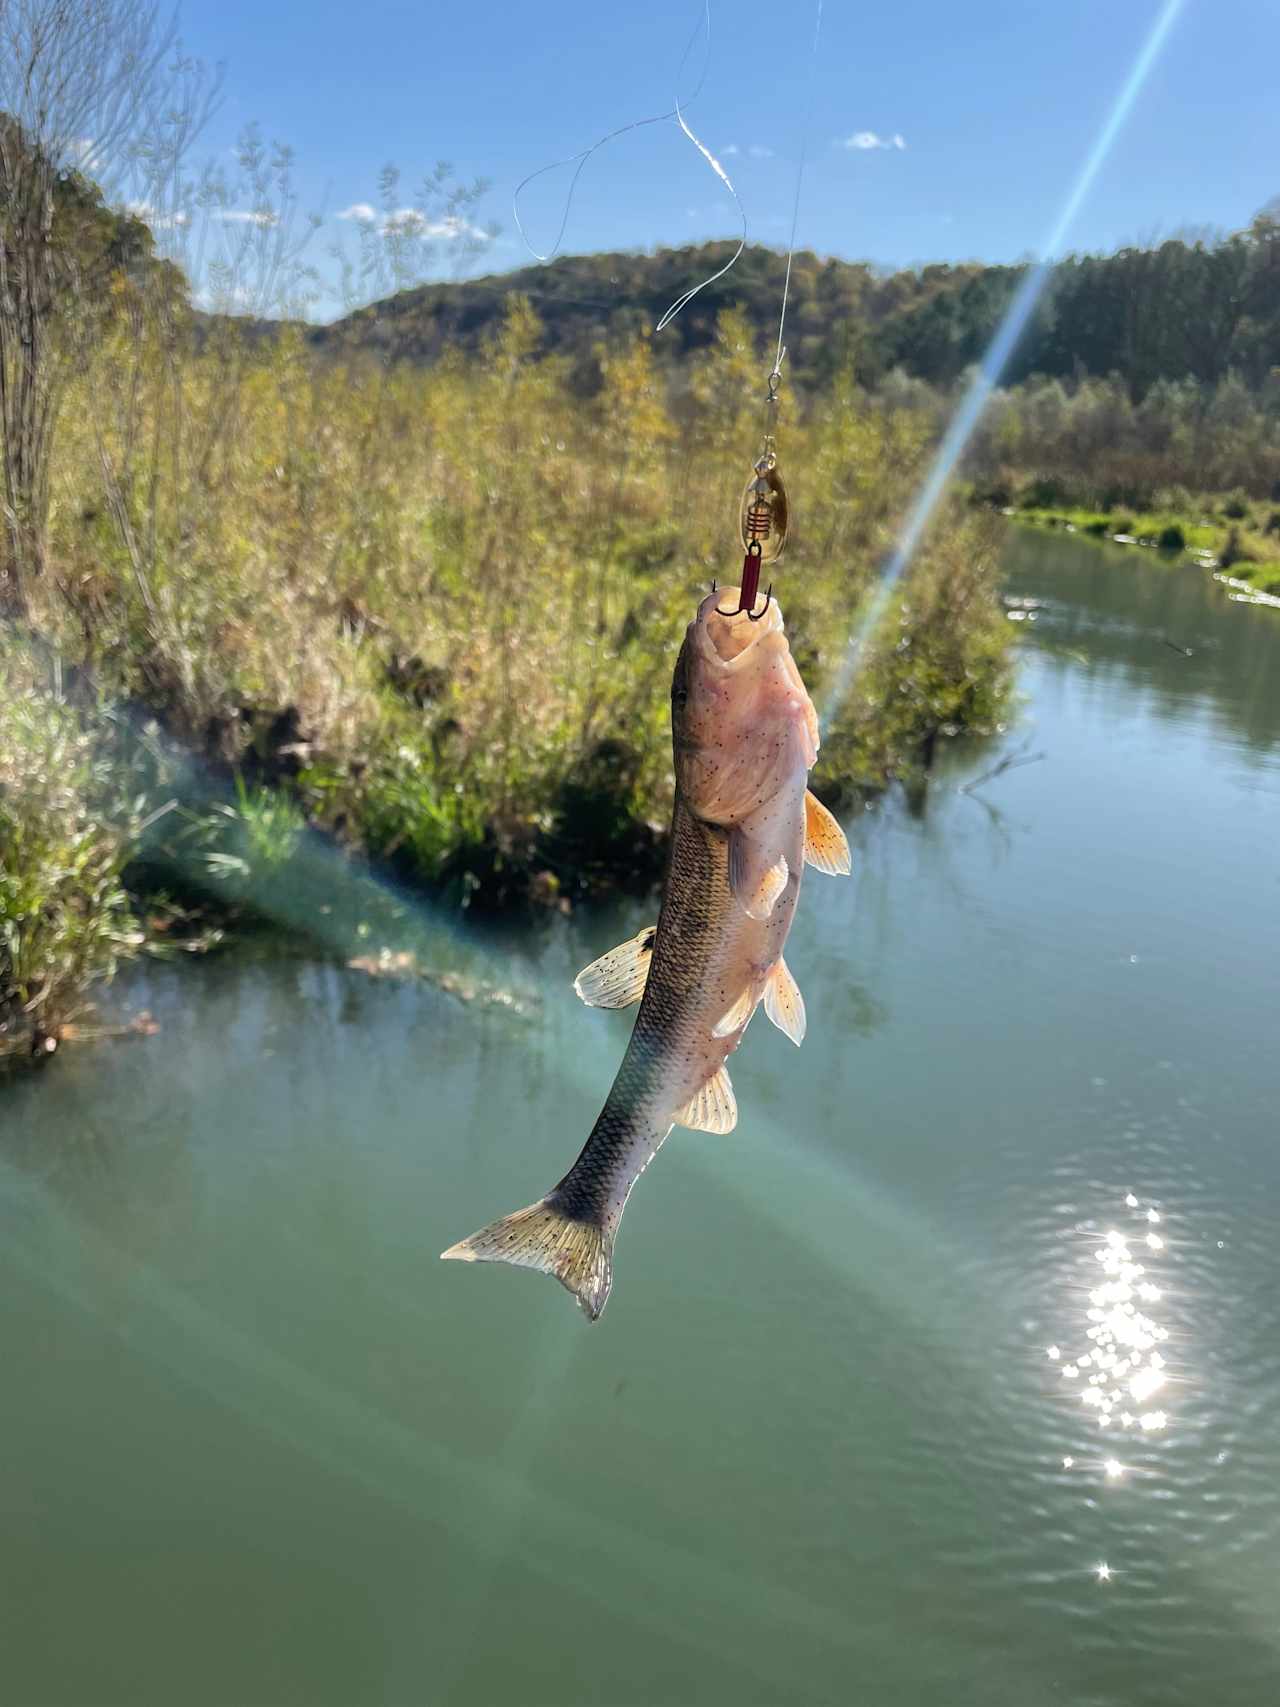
(664, 1062)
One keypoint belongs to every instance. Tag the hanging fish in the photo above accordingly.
(745, 735)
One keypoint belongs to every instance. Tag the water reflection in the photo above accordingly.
(1120, 1367)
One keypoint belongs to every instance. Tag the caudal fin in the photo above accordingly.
(578, 1253)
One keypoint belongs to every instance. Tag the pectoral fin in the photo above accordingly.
(784, 1004)
(617, 979)
(755, 878)
(714, 1108)
(825, 847)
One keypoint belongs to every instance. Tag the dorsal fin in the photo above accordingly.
(618, 978)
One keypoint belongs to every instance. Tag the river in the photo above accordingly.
(833, 1440)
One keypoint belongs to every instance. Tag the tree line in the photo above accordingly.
(1199, 309)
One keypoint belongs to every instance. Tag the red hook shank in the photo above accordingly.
(750, 580)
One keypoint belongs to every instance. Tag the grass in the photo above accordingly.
(432, 617)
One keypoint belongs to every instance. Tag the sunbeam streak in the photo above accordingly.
(992, 366)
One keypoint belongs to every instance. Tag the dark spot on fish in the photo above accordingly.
(650, 936)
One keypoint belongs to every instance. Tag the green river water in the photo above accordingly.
(262, 1447)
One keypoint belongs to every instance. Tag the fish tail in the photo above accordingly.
(578, 1253)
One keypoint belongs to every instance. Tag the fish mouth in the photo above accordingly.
(727, 639)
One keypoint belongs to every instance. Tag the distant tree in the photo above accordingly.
(86, 86)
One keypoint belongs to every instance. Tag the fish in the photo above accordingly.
(744, 825)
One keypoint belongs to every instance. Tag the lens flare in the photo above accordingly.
(993, 363)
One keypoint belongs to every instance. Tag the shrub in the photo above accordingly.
(1233, 551)
(1040, 494)
(1172, 538)
(64, 916)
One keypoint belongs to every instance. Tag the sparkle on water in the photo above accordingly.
(1123, 1360)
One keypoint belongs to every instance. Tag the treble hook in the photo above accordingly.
(752, 616)
(750, 584)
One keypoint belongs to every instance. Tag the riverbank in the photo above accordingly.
(1229, 533)
(426, 624)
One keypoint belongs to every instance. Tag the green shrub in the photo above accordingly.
(64, 916)
(1040, 494)
(1172, 538)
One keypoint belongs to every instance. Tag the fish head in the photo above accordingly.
(743, 725)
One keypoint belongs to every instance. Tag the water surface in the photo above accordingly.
(262, 1447)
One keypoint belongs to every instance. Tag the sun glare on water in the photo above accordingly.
(1122, 1368)
(1119, 1368)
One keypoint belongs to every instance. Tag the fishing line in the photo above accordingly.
(795, 205)
(579, 160)
(764, 512)
(718, 169)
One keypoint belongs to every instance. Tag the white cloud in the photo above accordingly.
(154, 218)
(247, 216)
(731, 149)
(869, 139)
(412, 222)
(758, 151)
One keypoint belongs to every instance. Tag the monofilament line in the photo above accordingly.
(795, 205)
(579, 161)
(720, 172)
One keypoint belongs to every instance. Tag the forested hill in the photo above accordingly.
(1176, 310)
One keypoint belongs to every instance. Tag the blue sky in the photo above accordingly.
(995, 104)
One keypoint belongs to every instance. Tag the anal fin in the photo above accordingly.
(783, 1002)
(714, 1108)
(825, 846)
(618, 978)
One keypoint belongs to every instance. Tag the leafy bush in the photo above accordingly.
(1172, 538)
(64, 916)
